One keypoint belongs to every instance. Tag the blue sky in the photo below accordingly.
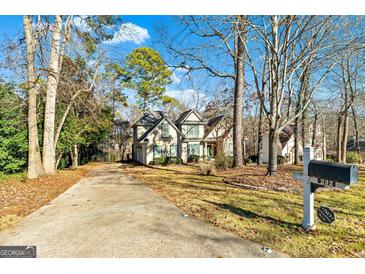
(11, 27)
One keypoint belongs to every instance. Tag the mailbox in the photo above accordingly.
(333, 174)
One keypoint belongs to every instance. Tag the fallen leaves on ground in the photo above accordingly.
(19, 198)
(254, 177)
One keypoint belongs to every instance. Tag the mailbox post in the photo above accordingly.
(318, 174)
(308, 206)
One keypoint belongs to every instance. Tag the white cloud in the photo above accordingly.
(189, 96)
(80, 23)
(182, 70)
(175, 79)
(130, 32)
(181, 93)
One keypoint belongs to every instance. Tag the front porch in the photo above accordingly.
(209, 150)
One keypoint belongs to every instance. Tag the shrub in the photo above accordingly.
(222, 161)
(253, 159)
(207, 169)
(158, 161)
(353, 158)
(281, 159)
(248, 161)
(193, 158)
(332, 158)
(172, 160)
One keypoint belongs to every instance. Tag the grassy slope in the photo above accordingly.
(267, 217)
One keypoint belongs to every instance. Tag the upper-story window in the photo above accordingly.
(192, 131)
(165, 130)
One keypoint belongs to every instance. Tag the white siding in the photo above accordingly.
(155, 138)
(192, 118)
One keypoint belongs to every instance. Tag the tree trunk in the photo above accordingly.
(338, 137)
(58, 160)
(35, 167)
(273, 151)
(304, 128)
(356, 129)
(238, 94)
(344, 137)
(74, 157)
(49, 153)
(314, 133)
(259, 136)
(274, 106)
(324, 140)
(296, 142)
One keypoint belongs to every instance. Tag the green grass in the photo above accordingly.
(267, 217)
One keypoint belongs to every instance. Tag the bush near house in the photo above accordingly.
(193, 158)
(353, 158)
(165, 160)
(172, 160)
(223, 162)
(158, 161)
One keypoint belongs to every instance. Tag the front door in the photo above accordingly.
(211, 150)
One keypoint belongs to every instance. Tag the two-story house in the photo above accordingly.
(189, 137)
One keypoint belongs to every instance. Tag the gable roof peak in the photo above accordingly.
(183, 116)
(165, 118)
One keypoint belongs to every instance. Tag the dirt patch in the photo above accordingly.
(19, 198)
(254, 177)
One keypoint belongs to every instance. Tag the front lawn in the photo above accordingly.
(271, 218)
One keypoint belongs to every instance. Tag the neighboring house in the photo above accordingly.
(190, 136)
(286, 144)
(351, 145)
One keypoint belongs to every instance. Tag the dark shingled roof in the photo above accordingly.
(211, 124)
(183, 116)
(214, 121)
(149, 118)
(158, 114)
(150, 130)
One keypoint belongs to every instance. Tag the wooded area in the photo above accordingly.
(66, 101)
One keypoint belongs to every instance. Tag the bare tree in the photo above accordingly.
(218, 34)
(348, 74)
(293, 43)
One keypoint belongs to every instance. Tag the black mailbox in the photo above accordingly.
(327, 172)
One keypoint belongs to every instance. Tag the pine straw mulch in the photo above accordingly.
(254, 177)
(19, 198)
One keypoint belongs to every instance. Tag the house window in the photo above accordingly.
(165, 130)
(194, 149)
(193, 131)
(157, 151)
(173, 151)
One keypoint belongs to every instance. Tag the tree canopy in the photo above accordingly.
(149, 75)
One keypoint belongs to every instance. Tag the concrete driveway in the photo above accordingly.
(114, 215)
